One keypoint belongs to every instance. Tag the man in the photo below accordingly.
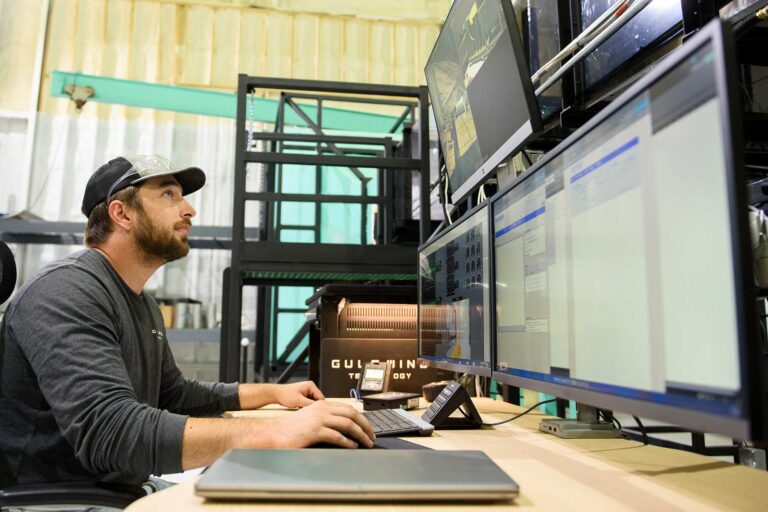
(88, 386)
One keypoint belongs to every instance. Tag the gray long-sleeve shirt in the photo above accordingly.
(89, 389)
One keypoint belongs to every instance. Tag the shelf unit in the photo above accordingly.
(266, 261)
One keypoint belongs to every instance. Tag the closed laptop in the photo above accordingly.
(356, 475)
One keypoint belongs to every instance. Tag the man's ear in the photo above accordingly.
(121, 215)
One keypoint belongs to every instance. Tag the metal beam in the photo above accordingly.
(311, 137)
(314, 198)
(318, 131)
(267, 157)
(303, 257)
(283, 378)
(353, 99)
(189, 100)
(295, 342)
(290, 84)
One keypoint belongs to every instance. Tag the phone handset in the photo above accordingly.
(374, 378)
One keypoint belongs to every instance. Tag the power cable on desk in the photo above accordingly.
(461, 410)
(642, 429)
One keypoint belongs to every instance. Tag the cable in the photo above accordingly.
(518, 415)
(444, 179)
(642, 429)
(481, 197)
(610, 419)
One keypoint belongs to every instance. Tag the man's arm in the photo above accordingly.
(206, 439)
(299, 394)
(191, 397)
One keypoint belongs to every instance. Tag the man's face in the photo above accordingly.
(163, 221)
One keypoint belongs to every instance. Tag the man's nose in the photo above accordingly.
(188, 211)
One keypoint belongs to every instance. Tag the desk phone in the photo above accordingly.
(374, 378)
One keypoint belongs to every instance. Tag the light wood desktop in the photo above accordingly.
(554, 474)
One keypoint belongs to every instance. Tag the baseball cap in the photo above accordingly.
(122, 172)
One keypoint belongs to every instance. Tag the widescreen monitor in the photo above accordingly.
(622, 268)
(481, 92)
(453, 295)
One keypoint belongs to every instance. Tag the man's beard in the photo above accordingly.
(155, 243)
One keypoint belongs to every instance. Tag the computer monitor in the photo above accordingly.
(655, 25)
(480, 87)
(454, 322)
(622, 265)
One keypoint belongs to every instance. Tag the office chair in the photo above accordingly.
(91, 494)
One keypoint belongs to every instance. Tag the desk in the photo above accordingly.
(553, 473)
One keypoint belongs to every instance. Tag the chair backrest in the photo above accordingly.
(7, 272)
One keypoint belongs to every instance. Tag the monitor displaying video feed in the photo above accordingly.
(622, 268)
(453, 291)
(659, 21)
(481, 92)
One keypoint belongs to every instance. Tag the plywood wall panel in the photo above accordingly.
(19, 25)
(226, 48)
(279, 48)
(382, 55)
(253, 43)
(305, 46)
(197, 45)
(355, 57)
(330, 48)
(406, 63)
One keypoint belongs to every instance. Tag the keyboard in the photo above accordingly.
(397, 422)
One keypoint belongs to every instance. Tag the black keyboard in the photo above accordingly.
(397, 422)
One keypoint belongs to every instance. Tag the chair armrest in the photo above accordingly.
(72, 493)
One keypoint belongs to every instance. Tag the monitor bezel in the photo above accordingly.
(447, 363)
(521, 134)
(753, 425)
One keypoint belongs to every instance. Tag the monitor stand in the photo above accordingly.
(587, 425)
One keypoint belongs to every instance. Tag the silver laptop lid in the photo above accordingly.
(356, 475)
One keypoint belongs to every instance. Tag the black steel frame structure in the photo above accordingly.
(267, 262)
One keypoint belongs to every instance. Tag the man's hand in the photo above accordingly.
(324, 422)
(299, 394)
